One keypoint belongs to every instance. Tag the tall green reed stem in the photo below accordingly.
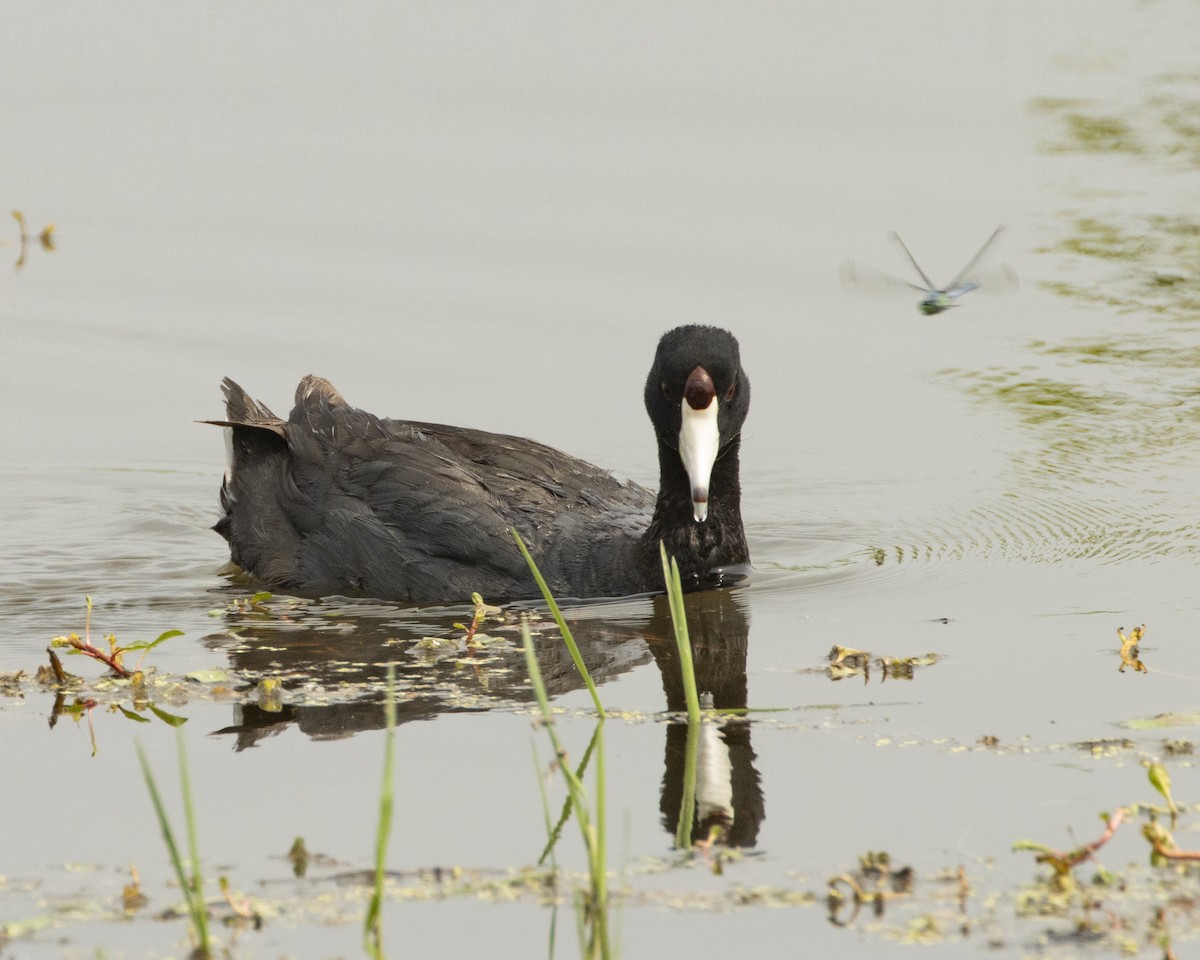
(594, 917)
(682, 641)
(192, 886)
(562, 624)
(687, 804)
(373, 921)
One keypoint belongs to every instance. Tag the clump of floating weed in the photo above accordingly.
(253, 604)
(1130, 649)
(848, 662)
(113, 658)
(481, 612)
(134, 681)
(872, 885)
(1061, 891)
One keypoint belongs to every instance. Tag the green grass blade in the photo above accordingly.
(373, 921)
(189, 819)
(687, 804)
(569, 803)
(195, 909)
(574, 785)
(552, 830)
(568, 639)
(593, 915)
(682, 640)
(598, 856)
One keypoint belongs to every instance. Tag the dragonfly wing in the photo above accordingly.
(929, 285)
(863, 279)
(977, 275)
(965, 286)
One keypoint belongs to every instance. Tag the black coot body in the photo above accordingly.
(335, 500)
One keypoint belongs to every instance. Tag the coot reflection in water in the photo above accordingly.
(335, 500)
(339, 646)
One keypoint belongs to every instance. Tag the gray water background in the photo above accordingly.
(488, 216)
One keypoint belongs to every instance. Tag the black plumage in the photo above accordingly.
(335, 500)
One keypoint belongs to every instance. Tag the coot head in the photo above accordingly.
(697, 396)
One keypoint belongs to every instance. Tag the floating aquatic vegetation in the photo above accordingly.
(845, 662)
(1062, 893)
(137, 687)
(299, 857)
(132, 898)
(44, 239)
(1082, 132)
(1164, 720)
(114, 657)
(481, 612)
(10, 683)
(873, 884)
(1130, 657)
(1160, 779)
(1063, 861)
(1159, 120)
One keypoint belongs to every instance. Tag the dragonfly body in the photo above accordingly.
(938, 300)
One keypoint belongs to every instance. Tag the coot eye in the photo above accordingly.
(729, 394)
(667, 394)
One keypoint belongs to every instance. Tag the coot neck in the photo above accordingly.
(718, 541)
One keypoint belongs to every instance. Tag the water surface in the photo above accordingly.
(463, 215)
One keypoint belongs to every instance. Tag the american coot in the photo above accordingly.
(334, 500)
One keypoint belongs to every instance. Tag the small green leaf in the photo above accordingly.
(1161, 781)
(168, 718)
(131, 715)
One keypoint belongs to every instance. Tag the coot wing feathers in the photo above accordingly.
(353, 503)
(335, 500)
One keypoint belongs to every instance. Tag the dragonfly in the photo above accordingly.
(936, 299)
